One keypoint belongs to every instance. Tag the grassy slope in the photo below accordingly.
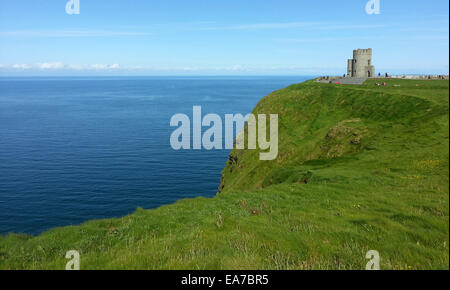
(359, 168)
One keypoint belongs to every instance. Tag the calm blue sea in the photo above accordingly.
(75, 149)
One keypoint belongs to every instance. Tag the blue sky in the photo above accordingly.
(211, 37)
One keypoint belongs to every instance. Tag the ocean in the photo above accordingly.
(74, 149)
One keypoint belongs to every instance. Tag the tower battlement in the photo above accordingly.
(358, 51)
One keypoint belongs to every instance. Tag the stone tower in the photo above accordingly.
(361, 64)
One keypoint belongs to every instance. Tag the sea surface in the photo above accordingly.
(76, 149)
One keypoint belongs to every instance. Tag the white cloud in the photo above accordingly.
(61, 66)
(265, 26)
(237, 67)
(319, 38)
(75, 67)
(103, 66)
(189, 69)
(98, 66)
(21, 66)
(71, 33)
(51, 65)
(197, 26)
(290, 25)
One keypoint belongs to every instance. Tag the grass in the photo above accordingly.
(359, 168)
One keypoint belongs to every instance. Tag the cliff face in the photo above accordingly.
(358, 169)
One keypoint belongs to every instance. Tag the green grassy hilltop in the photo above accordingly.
(359, 168)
